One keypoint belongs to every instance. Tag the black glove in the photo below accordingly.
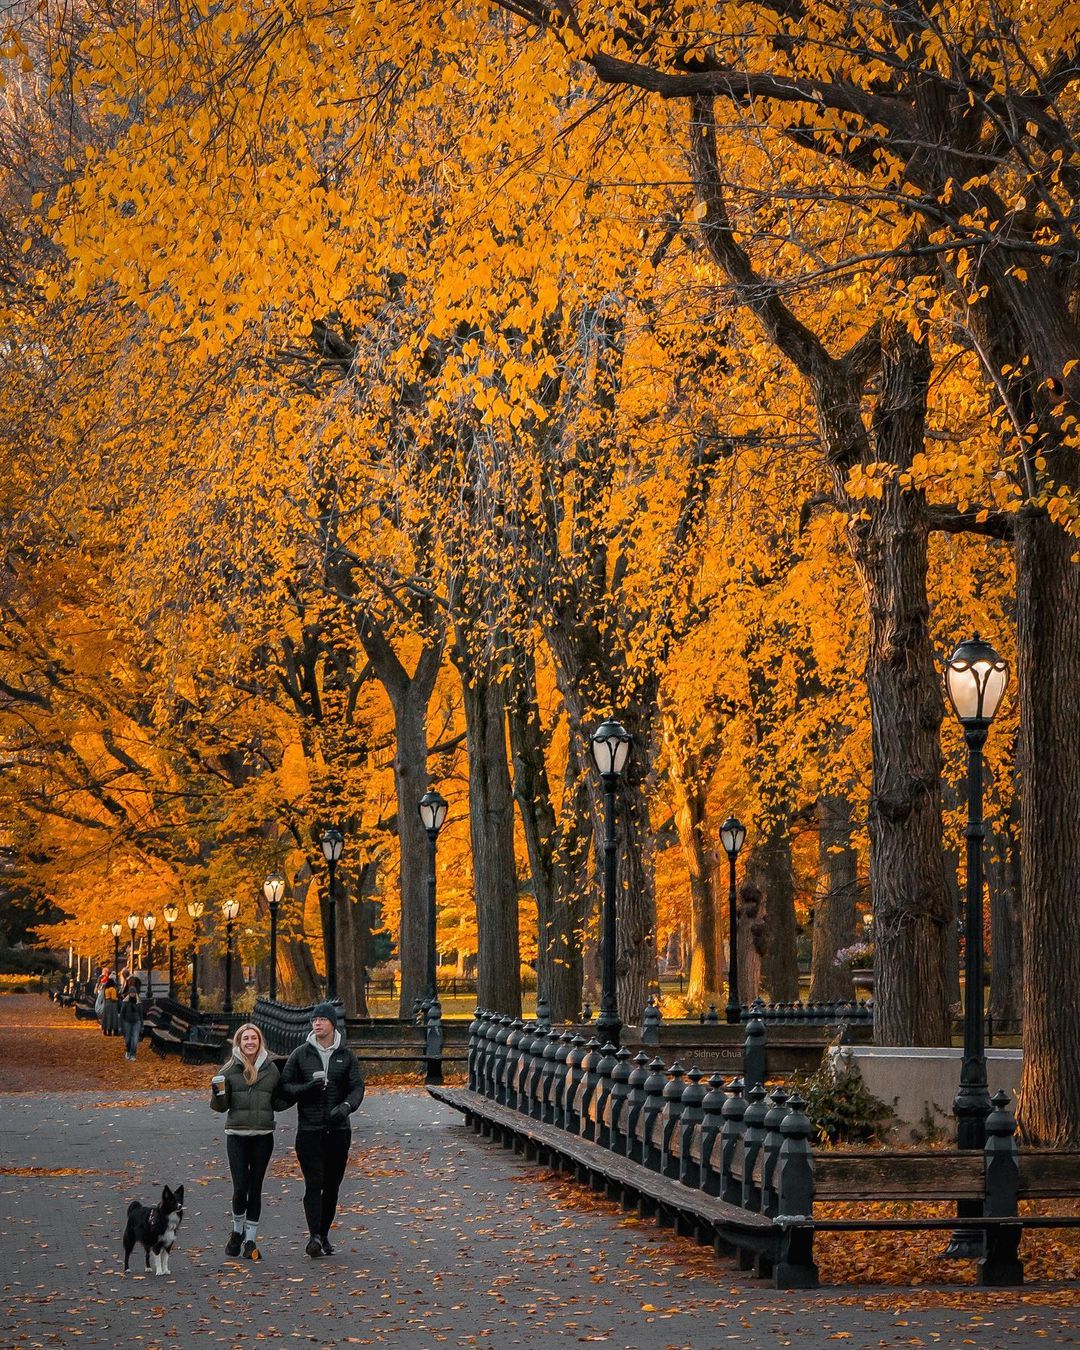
(340, 1112)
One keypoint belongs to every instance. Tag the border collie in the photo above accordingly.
(155, 1226)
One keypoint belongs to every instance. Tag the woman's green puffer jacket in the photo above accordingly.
(249, 1106)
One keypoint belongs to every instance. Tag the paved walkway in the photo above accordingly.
(443, 1240)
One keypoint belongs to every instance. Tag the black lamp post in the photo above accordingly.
(274, 890)
(171, 913)
(195, 910)
(230, 909)
(116, 929)
(105, 938)
(975, 680)
(149, 923)
(611, 749)
(332, 843)
(432, 808)
(133, 928)
(733, 836)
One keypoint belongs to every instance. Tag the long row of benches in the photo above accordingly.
(731, 1164)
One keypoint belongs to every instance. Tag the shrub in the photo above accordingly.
(841, 1108)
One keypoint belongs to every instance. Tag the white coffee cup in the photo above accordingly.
(320, 1076)
(218, 1082)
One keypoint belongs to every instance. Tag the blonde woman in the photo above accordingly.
(246, 1088)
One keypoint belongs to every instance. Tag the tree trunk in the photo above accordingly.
(558, 851)
(352, 937)
(689, 799)
(410, 783)
(409, 696)
(951, 801)
(834, 909)
(491, 831)
(1048, 649)
(577, 651)
(907, 877)
(751, 921)
(1004, 884)
(770, 868)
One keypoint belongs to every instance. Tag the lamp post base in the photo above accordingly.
(608, 1029)
(966, 1244)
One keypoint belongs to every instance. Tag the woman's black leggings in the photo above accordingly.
(249, 1157)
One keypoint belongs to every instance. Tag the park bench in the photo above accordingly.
(174, 1028)
(737, 1166)
(286, 1026)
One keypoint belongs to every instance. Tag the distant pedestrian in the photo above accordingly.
(131, 1020)
(323, 1077)
(110, 1009)
(248, 1088)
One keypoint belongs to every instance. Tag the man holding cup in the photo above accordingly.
(323, 1077)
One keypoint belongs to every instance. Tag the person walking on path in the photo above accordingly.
(110, 1009)
(323, 1077)
(248, 1089)
(131, 1020)
(129, 981)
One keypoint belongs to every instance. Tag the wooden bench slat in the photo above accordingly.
(898, 1176)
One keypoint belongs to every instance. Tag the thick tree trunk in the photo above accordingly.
(1004, 886)
(834, 908)
(1048, 646)
(409, 696)
(636, 904)
(751, 921)
(689, 801)
(352, 938)
(298, 980)
(577, 652)
(491, 830)
(770, 868)
(951, 801)
(907, 878)
(558, 851)
(410, 783)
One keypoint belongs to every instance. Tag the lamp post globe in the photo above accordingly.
(975, 682)
(195, 912)
(332, 843)
(432, 807)
(171, 913)
(274, 892)
(133, 927)
(610, 745)
(732, 838)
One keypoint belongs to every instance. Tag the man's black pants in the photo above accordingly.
(322, 1155)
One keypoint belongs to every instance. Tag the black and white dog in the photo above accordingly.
(155, 1226)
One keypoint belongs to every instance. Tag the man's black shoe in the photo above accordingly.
(232, 1247)
(328, 1250)
(314, 1247)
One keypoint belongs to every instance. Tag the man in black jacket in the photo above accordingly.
(324, 1079)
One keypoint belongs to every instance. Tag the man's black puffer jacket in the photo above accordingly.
(319, 1108)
